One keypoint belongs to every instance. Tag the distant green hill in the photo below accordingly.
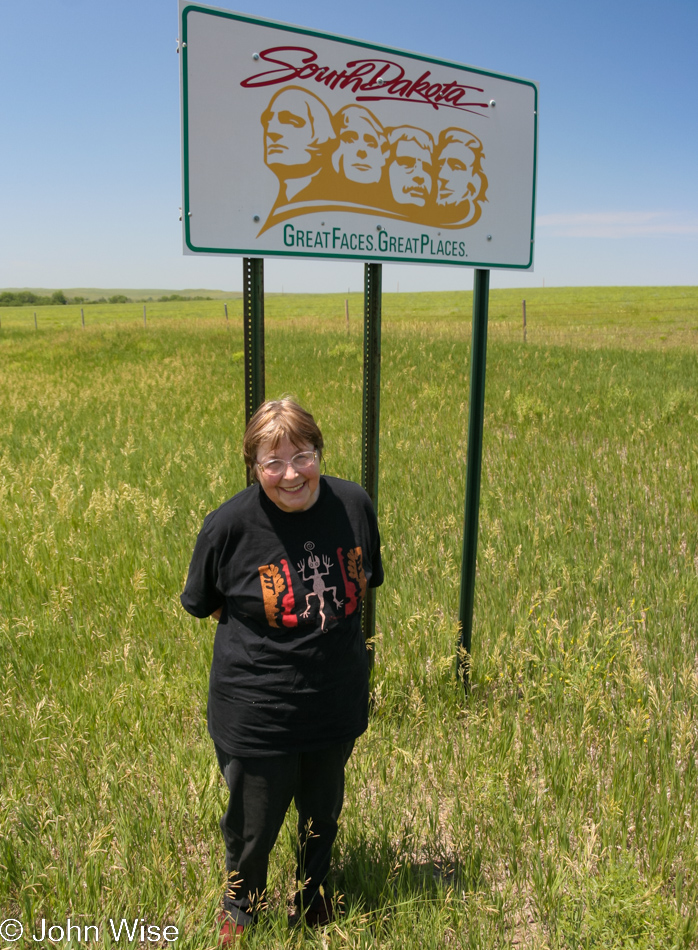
(96, 293)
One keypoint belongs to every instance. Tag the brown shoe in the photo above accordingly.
(229, 930)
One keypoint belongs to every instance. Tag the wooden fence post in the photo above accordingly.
(524, 320)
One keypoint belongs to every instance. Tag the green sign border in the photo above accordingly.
(287, 27)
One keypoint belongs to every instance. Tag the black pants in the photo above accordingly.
(261, 790)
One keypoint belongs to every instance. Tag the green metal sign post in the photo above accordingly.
(478, 351)
(373, 277)
(253, 320)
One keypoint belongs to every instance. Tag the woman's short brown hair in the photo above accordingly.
(274, 420)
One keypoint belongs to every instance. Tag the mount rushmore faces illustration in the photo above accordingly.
(349, 162)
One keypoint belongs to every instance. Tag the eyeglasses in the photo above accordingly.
(301, 462)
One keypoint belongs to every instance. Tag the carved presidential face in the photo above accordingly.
(410, 173)
(362, 150)
(295, 128)
(455, 174)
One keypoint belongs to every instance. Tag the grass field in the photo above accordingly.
(556, 806)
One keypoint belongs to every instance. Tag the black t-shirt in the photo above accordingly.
(289, 671)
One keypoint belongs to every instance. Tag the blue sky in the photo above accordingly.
(91, 144)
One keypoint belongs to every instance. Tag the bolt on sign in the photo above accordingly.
(297, 143)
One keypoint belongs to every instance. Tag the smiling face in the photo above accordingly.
(292, 490)
(410, 173)
(455, 174)
(362, 148)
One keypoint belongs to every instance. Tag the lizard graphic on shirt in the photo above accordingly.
(277, 586)
(319, 586)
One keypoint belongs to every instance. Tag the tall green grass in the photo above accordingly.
(555, 806)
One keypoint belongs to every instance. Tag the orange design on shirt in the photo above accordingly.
(272, 585)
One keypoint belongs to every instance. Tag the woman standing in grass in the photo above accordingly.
(284, 566)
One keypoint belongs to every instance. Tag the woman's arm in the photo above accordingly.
(201, 596)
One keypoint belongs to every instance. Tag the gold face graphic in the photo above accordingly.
(362, 151)
(351, 162)
(410, 168)
(458, 168)
(296, 126)
(454, 174)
